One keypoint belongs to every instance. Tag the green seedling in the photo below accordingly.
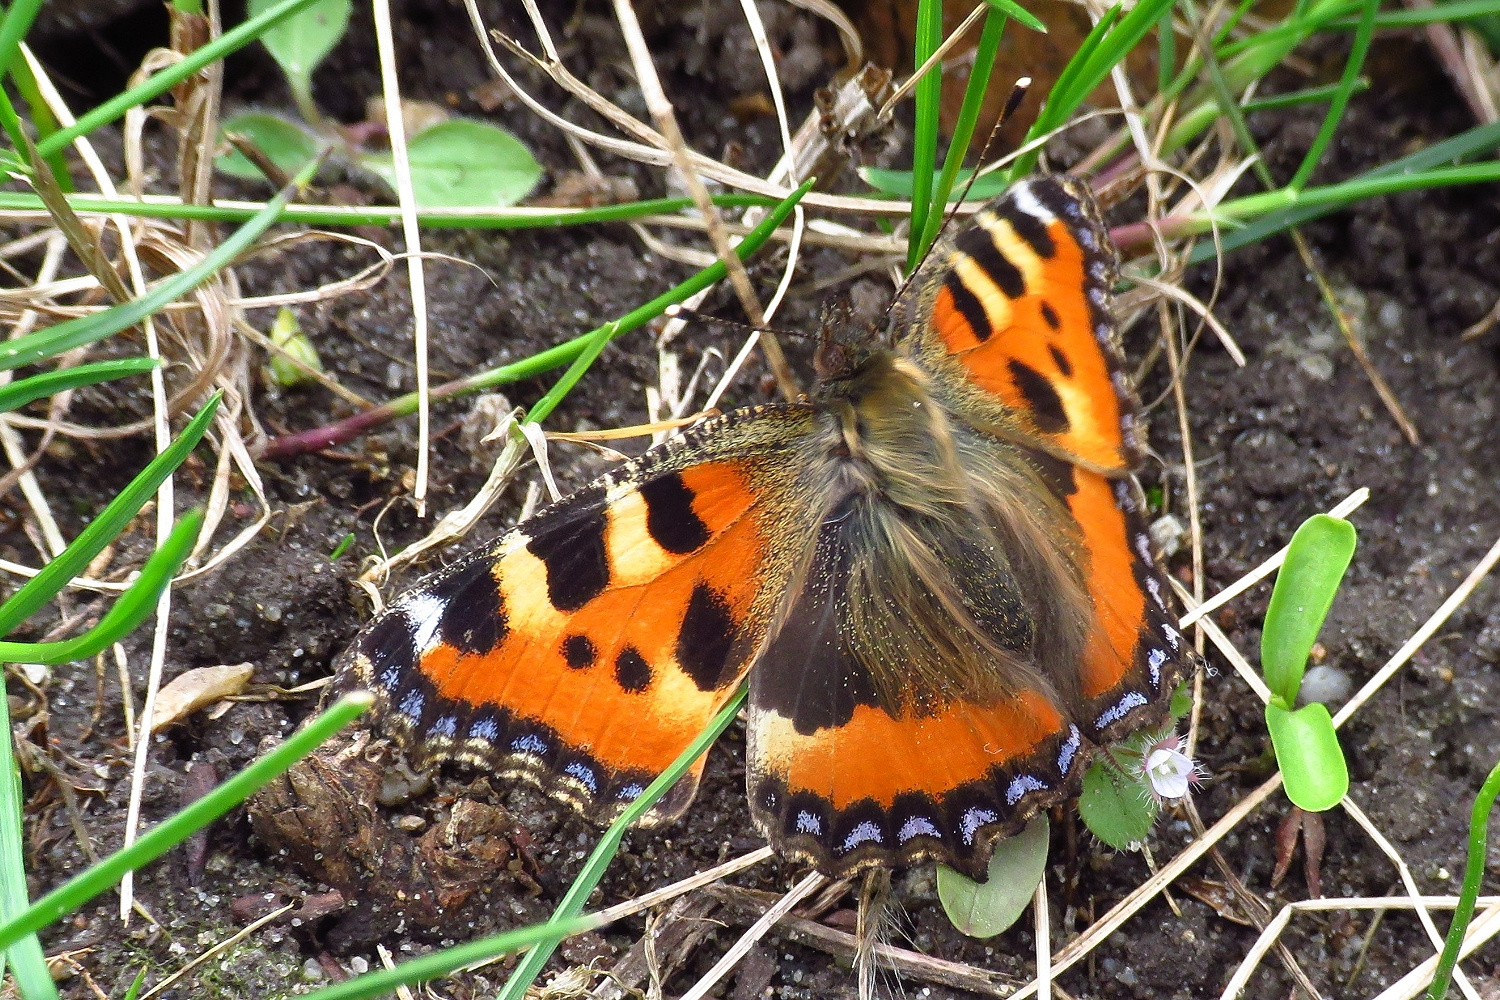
(1307, 748)
(984, 909)
(459, 163)
(299, 44)
(286, 333)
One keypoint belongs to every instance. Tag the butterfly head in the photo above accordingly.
(847, 345)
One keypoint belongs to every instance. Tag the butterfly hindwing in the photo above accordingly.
(588, 646)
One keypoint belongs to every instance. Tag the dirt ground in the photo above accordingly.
(1292, 432)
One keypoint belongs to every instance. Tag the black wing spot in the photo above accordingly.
(980, 246)
(1050, 315)
(474, 617)
(1029, 228)
(1046, 405)
(969, 306)
(706, 638)
(632, 670)
(579, 652)
(572, 549)
(670, 517)
(1061, 360)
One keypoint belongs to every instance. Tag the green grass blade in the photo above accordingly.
(578, 893)
(16, 132)
(1417, 170)
(1101, 48)
(590, 344)
(86, 329)
(1356, 62)
(1018, 13)
(27, 962)
(357, 215)
(1479, 824)
(1297, 98)
(129, 610)
(170, 832)
(383, 982)
(1166, 52)
(1447, 13)
(42, 119)
(13, 29)
(18, 394)
(159, 83)
(106, 526)
(1228, 107)
(1064, 82)
(929, 99)
(963, 130)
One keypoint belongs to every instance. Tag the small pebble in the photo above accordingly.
(1325, 684)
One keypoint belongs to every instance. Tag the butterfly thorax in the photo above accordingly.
(928, 569)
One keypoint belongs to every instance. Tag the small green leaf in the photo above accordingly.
(1315, 563)
(984, 909)
(299, 43)
(1309, 755)
(1182, 699)
(1015, 10)
(463, 164)
(286, 333)
(1117, 808)
(898, 183)
(286, 144)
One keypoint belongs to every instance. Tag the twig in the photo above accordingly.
(757, 931)
(412, 236)
(666, 123)
(912, 964)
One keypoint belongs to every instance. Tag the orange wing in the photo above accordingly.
(1134, 657)
(1012, 312)
(587, 647)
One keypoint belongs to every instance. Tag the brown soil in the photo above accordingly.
(1292, 432)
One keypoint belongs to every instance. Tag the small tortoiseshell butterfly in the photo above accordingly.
(934, 573)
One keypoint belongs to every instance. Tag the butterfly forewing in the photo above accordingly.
(1011, 311)
(586, 648)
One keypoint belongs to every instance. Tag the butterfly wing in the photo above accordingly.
(1011, 312)
(897, 712)
(587, 647)
(1007, 321)
(1011, 315)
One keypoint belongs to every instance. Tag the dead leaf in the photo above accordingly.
(198, 687)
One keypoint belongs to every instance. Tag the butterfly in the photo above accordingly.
(933, 572)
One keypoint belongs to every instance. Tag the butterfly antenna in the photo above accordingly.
(1017, 95)
(874, 893)
(683, 312)
(1012, 103)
